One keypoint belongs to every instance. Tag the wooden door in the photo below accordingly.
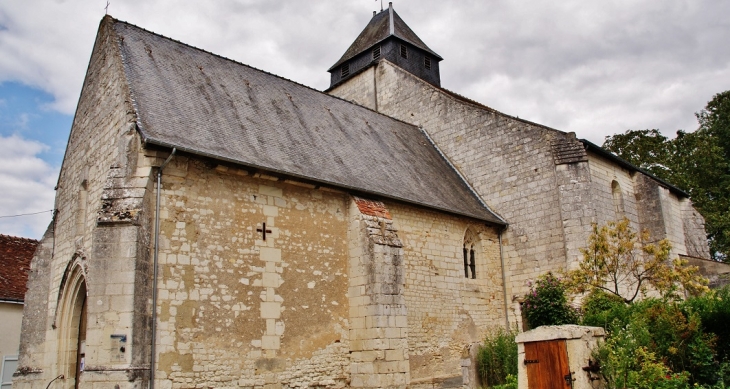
(547, 365)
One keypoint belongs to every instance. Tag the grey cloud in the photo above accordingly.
(595, 68)
(27, 186)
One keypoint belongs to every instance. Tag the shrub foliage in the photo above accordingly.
(661, 343)
(497, 357)
(547, 304)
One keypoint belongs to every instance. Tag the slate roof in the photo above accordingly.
(15, 256)
(208, 105)
(379, 29)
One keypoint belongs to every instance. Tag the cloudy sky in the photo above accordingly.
(596, 68)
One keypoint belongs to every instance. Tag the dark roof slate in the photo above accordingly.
(15, 256)
(208, 105)
(378, 29)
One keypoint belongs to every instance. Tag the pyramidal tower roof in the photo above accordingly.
(382, 26)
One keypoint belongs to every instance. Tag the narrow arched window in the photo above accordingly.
(470, 266)
(618, 199)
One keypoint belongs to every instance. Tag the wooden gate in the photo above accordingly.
(547, 365)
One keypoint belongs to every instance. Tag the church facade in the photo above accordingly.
(230, 228)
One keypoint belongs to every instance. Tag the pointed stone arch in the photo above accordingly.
(70, 319)
(618, 199)
(470, 251)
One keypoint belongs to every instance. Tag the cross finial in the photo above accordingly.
(106, 9)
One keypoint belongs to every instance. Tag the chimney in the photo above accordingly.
(373, 13)
(390, 4)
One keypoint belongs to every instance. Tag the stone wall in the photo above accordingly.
(508, 161)
(619, 192)
(543, 182)
(447, 312)
(101, 150)
(240, 308)
(305, 307)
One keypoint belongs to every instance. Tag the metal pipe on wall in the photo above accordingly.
(154, 271)
(504, 280)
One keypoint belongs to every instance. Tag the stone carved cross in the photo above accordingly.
(263, 231)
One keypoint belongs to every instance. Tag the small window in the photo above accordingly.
(376, 52)
(404, 51)
(345, 70)
(618, 199)
(470, 266)
(427, 62)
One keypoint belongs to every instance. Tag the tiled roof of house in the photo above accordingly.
(15, 256)
(208, 105)
(382, 26)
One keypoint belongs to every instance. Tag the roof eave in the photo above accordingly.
(152, 141)
(628, 165)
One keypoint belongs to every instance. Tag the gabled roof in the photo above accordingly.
(15, 256)
(208, 105)
(383, 25)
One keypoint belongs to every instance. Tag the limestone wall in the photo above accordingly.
(648, 206)
(508, 161)
(613, 192)
(292, 310)
(101, 148)
(541, 181)
(446, 311)
(236, 309)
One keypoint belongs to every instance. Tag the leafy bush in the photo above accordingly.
(655, 338)
(601, 309)
(679, 340)
(497, 358)
(547, 304)
(511, 383)
(713, 310)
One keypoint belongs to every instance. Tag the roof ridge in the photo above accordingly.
(19, 237)
(217, 55)
(260, 70)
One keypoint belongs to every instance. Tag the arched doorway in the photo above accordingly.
(71, 324)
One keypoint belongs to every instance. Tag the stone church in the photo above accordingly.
(231, 228)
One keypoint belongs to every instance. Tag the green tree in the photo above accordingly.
(698, 162)
(621, 262)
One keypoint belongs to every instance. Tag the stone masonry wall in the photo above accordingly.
(508, 161)
(604, 173)
(102, 142)
(541, 181)
(447, 312)
(695, 238)
(240, 310)
(379, 328)
(648, 206)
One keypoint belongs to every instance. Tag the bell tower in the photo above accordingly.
(387, 36)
